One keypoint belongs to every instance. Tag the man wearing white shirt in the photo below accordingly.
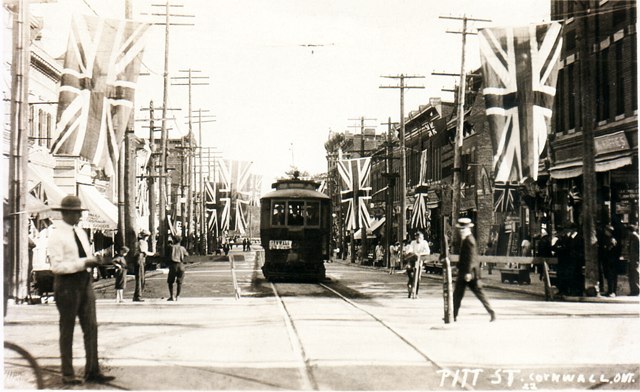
(69, 254)
(414, 254)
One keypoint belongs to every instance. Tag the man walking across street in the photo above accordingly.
(140, 262)
(468, 269)
(69, 254)
(176, 268)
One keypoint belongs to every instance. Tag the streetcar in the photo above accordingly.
(295, 224)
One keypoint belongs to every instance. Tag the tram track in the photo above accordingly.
(306, 367)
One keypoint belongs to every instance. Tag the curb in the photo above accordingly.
(515, 289)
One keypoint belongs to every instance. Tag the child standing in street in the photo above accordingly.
(121, 273)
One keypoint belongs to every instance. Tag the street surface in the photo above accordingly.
(356, 331)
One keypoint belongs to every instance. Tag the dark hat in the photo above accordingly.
(124, 249)
(70, 203)
(417, 233)
(464, 222)
(177, 238)
(144, 233)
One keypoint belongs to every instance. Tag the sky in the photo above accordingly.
(275, 99)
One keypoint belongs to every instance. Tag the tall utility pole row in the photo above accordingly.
(165, 97)
(202, 213)
(151, 168)
(188, 199)
(391, 181)
(403, 158)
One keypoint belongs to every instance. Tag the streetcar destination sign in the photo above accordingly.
(280, 244)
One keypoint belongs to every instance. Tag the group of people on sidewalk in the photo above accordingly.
(71, 260)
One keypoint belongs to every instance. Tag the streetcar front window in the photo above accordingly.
(296, 210)
(278, 214)
(311, 214)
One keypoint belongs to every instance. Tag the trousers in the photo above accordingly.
(458, 293)
(75, 297)
(139, 276)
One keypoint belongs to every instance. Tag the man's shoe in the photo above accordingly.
(138, 300)
(71, 380)
(170, 299)
(99, 379)
(493, 317)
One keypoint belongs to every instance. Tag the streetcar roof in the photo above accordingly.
(295, 194)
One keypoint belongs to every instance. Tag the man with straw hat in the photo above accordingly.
(70, 257)
(468, 269)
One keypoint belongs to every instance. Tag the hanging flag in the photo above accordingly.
(505, 196)
(354, 174)
(520, 69)
(420, 213)
(255, 187)
(235, 194)
(97, 88)
(210, 193)
(212, 221)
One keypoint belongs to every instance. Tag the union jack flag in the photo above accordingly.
(354, 174)
(97, 88)
(419, 216)
(520, 69)
(235, 194)
(505, 196)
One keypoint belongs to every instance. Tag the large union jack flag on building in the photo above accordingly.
(97, 88)
(505, 196)
(420, 213)
(235, 195)
(356, 187)
(520, 69)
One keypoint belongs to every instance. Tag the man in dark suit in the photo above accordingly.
(468, 269)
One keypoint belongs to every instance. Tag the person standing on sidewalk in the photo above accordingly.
(120, 263)
(69, 251)
(176, 268)
(417, 249)
(468, 269)
(140, 262)
(634, 268)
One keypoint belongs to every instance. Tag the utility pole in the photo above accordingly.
(391, 181)
(129, 174)
(17, 276)
(202, 210)
(587, 108)
(188, 198)
(363, 230)
(403, 158)
(361, 126)
(457, 147)
(165, 97)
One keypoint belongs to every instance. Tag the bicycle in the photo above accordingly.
(21, 370)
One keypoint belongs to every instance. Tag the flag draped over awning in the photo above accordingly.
(520, 69)
(97, 88)
(420, 214)
(354, 174)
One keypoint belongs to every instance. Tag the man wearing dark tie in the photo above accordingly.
(69, 254)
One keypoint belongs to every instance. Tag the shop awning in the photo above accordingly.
(51, 195)
(612, 152)
(603, 163)
(102, 214)
(375, 225)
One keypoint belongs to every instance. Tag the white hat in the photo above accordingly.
(463, 223)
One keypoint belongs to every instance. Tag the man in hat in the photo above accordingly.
(468, 269)
(70, 257)
(140, 262)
